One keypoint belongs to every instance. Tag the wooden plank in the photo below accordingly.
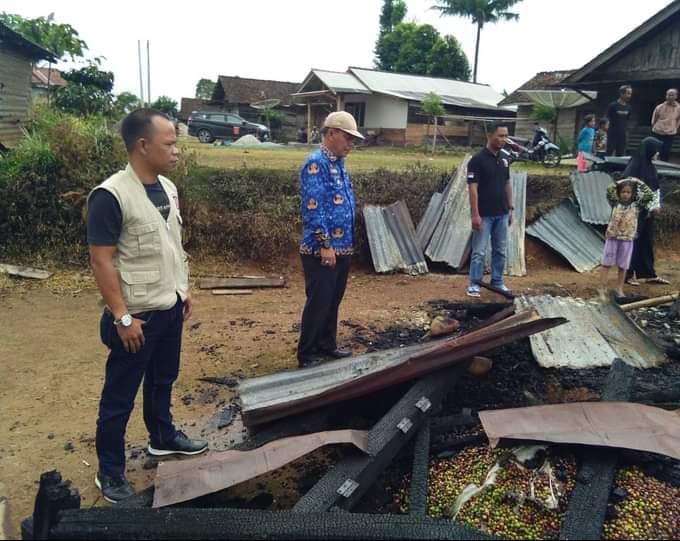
(241, 283)
(232, 291)
(24, 272)
(5, 524)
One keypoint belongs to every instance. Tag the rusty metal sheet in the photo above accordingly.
(604, 333)
(392, 239)
(608, 424)
(429, 221)
(241, 283)
(188, 479)
(450, 242)
(280, 395)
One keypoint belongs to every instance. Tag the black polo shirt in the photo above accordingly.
(491, 174)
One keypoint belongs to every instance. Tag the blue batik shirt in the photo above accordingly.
(328, 205)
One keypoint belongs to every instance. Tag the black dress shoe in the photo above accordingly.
(338, 353)
(308, 362)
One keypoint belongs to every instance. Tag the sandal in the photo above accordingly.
(658, 280)
(632, 282)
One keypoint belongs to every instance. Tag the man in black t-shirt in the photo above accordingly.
(618, 114)
(490, 190)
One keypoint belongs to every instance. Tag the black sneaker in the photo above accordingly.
(181, 445)
(114, 489)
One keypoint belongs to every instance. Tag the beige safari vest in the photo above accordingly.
(149, 257)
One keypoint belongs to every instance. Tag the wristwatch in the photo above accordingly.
(124, 321)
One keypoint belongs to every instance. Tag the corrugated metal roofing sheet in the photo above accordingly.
(597, 333)
(392, 239)
(341, 81)
(279, 395)
(397, 83)
(591, 194)
(515, 264)
(429, 221)
(564, 232)
(450, 242)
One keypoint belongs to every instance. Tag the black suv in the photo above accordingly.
(208, 126)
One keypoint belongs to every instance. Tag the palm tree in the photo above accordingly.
(481, 12)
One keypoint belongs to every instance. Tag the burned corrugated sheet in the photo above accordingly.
(515, 264)
(597, 333)
(450, 242)
(279, 395)
(564, 232)
(591, 194)
(392, 239)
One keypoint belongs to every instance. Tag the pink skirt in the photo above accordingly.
(617, 253)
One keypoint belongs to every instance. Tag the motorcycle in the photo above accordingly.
(541, 149)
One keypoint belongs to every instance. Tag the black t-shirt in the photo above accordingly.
(105, 219)
(491, 174)
(618, 114)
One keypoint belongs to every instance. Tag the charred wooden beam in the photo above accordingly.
(344, 485)
(181, 524)
(588, 504)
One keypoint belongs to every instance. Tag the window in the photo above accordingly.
(233, 119)
(358, 111)
(216, 118)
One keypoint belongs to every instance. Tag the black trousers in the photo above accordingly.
(642, 262)
(325, 288)
(157, 363)
(616, 144)
(667, 141)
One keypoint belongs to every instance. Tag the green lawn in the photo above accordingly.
(361, 159)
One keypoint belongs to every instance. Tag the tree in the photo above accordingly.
(87, 91)
(432, 105)
(419, 49)
(166, 105)
(126, 102)
(393, 12)
(481, 12)
(204, 89)
(60, 39)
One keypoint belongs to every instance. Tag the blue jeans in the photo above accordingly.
(157, 363)
(496, 228)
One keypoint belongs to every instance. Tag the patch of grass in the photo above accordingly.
(361, 160)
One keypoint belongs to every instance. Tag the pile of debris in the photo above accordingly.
(485, 480)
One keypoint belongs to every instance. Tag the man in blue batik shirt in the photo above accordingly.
(328, 211)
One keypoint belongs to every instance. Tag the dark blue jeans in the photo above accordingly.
(158, 364)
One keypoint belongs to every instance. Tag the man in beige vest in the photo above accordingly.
(134, 231)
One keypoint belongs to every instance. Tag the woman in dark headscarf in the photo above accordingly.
(641, 166)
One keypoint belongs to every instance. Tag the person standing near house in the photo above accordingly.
(618, 114)
(586, 140)
(490, 193)
(641, 166)
(586, 137)
(134, 232)
(600, 145)
(666, 121)
(328, 212)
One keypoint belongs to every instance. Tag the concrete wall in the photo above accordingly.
(386, 112)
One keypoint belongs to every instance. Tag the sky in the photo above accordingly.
(273, 39)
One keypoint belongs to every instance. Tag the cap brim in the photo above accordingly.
(353, 133)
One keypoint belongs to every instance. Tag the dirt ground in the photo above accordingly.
(52, 363)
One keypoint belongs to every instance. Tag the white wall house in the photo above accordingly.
(390, 103)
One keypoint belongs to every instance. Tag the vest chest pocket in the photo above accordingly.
(148, 238)
(137, 283)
